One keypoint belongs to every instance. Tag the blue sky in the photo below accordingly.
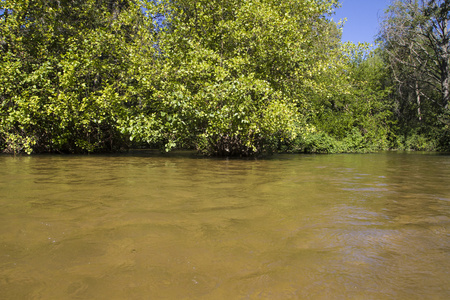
(362, 19)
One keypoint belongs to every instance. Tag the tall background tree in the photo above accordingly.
(416, 39)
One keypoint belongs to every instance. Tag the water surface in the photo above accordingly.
(145, 226)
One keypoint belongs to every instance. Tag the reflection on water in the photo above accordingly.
(143, 226)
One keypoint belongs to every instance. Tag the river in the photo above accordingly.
(150, 226)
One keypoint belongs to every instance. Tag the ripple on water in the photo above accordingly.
(297, 227)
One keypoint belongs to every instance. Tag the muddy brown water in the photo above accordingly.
(147, 226)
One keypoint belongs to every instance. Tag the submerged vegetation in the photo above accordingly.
(226, 77)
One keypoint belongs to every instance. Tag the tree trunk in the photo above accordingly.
(418, 101)
(445, 68)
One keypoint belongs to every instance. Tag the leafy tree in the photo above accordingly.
(351, 103)
(230, 74)
(63, 73)
(225, 77)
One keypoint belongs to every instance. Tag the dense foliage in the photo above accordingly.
(226, 77)
(63, 74)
